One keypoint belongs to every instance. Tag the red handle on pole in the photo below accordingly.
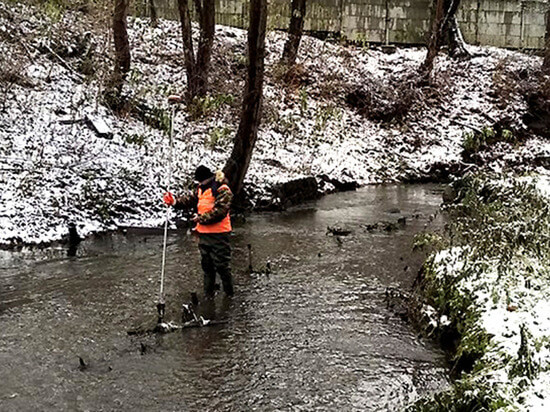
(169, 199)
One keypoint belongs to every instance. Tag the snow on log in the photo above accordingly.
(99, 126)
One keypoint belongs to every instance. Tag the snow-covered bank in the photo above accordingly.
(489, 289)
(55, 171)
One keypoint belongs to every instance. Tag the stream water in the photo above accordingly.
(314, 334)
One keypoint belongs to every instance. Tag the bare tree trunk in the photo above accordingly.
(546, 62)
(435, 38)
(122, 45)
(189, 54)
(457, 45)
(208, 27)
(444, 13)
(198, 68)
(295, 30)
(153, 13)
(237, 164)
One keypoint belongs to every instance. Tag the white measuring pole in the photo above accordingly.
(161, 293)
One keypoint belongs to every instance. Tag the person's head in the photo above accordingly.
(203, 173)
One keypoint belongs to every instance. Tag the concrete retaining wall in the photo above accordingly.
(502, 23)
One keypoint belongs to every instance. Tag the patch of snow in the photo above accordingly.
(53, 173)
(507, 301)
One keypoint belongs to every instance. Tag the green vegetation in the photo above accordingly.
(204, 106)
(324, 114)
(56, 9)
(287, 126)
(492, 258)
(98, 196)
(240, 60)
(429, 241)
(500, 219)
(218, 137)
(524, 366)
(156, 117)
(480, 140)
(135, 139)
(362, 41)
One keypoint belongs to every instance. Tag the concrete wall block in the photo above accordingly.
(497, 29)
(363, 3)
(535, 18)
(225, 8)
(512, 30)
(409, 13)
(324, 12)
(399, 25)
(534, 43)
(468, 5)
(312, 25)
(537, 31)
(511, 41)
(469, 37)
(498, 22)
(333, 25)
(349, 9)
(327, 25)
(510, 18)
(278, 23)
(417, 14)
(350, 23)
(374, 23)
(405, 30)
(513, 6)
(322, 3)
(467, 27)
(373, 10)
(500, 5)
(494, 17)
(375, 36)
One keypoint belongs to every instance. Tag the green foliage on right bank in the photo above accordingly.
(486, 294)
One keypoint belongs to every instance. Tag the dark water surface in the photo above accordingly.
(316, 334)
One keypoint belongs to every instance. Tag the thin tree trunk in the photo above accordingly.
(444, 12)
(198, 68)
(546, 62)
(457, 45)
(208, 27)
(153, 13)
(295, 30)
(189, 54)
(237, 164)
(122, 45)
(435, 43)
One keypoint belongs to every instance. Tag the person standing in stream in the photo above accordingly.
(212, 201)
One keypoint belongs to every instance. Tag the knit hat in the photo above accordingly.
(202, 173)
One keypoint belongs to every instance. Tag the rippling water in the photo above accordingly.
(315, 334)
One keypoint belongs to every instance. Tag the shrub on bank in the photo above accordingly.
(488, 295)
(483, 139)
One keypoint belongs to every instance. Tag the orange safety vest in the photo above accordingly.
(205, 205)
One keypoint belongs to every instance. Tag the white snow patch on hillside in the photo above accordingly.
(53, 173)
